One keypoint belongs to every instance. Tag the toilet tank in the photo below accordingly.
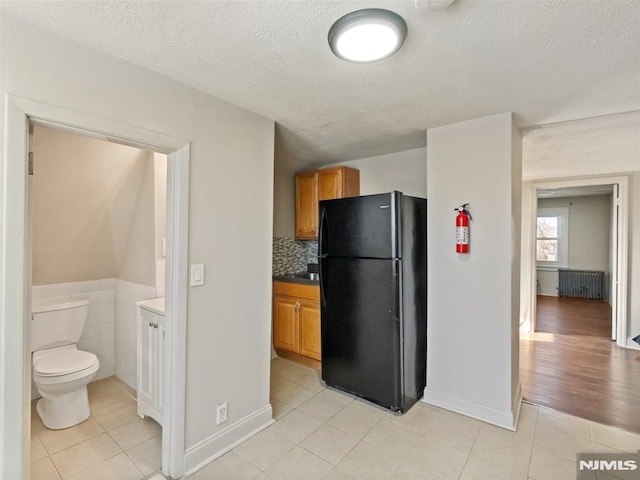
(57, 321)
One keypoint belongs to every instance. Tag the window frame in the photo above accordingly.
(562, 214)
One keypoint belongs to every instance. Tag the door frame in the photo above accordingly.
(15, 275)
(621, 244)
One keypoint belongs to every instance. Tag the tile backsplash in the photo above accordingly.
(312, 252)
(291, 255)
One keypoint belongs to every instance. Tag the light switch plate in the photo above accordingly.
(197, 275)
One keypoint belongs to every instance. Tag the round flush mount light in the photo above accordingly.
(367, 35)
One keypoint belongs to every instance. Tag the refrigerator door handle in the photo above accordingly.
(322, 255)
(321, 267)
(397, 281)
(321, 231)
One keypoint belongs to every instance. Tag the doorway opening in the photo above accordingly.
(577, 265)
(576, 252)
(15, 301)
(98, 224)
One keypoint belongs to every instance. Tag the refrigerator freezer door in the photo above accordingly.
(362, 227)
(361, 330)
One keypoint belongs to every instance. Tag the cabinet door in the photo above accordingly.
(285, 323)
(310, 329)
(158, 355)
(330, 183)
(307, 205)
(145, 356)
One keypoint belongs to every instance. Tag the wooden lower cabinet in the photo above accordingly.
(286, 331)
(309, 316)
(296, 322)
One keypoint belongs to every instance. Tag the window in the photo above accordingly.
(547, 239)
(551, 237)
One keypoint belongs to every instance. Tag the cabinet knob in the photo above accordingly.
(155, 325)
(151, 324)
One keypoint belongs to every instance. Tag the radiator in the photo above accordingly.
(581, 283)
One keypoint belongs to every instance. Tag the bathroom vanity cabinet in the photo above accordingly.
(150, 358)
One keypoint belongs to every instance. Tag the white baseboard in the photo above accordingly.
(632, 345)
(215, 446)
(508, 420)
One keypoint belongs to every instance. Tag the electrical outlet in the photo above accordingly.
(222, 414)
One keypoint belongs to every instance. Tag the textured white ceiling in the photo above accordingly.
(547, 61)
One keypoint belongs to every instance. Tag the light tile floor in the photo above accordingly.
(321, 433)
(114, 443)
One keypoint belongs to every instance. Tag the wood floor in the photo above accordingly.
(570, 364)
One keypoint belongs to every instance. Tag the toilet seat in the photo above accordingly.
(64, 366)
(64, 362)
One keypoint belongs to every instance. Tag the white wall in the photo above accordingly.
(230, 220)
(160, 211)
(516, 249)
(84, 190)
(473, 300)
(589, 234)
(603, 146)
(634, 256)
(138, 263)
(402, 171)
(284, 192)
(160, 201)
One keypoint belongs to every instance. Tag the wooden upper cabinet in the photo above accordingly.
(307, 205)
(339, 182)
(325, 184)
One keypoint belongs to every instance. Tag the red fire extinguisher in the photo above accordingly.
(462, 228)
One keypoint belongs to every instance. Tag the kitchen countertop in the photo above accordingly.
(288, 278)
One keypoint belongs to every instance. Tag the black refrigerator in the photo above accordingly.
(373, 293)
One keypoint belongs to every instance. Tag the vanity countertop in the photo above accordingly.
(155, 305)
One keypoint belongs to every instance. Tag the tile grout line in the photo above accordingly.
(469, 454)
(549, 452)
(102, 430)
(54, 464)
(136, 465)
(533, 441)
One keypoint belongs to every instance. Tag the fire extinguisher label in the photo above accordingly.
(462, 235)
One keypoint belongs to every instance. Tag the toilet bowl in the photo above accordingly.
(61, 372)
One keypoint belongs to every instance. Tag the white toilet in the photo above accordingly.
(61, 372)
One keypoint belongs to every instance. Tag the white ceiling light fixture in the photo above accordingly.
(367, 35)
